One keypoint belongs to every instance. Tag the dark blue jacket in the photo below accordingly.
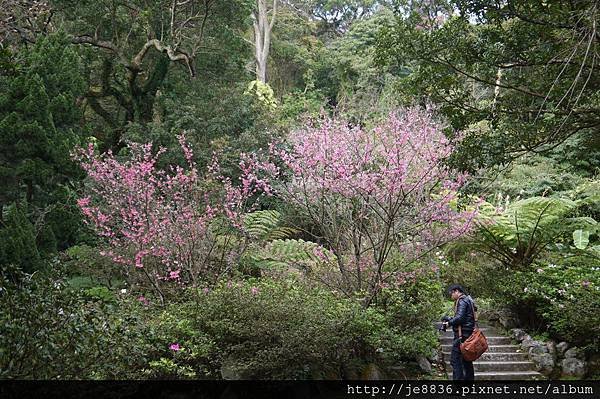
(464, 317)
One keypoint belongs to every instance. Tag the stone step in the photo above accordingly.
(491, 348)
(492, 340)
(497, 356)
(506, 375)
(487, 365)
(502, 360)
(486, 330)
(482, 326)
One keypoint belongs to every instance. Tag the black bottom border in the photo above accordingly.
(299, 389)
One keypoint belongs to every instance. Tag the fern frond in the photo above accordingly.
(289, 252)
(260, 223)
(265, 226)
(281, 233)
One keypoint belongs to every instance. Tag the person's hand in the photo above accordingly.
(446, 318)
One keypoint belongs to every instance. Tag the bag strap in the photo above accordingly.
(456, 307)
(474, 316)
(474, 313)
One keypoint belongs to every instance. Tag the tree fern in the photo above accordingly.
(283, 254)
(265, 226)
(272, 248)
(518, 234)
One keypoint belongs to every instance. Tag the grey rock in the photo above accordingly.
(551, 345)
(573, 353)
(435, 357)
(544, 362)
(573, 367)
(561, 347)
(508, 319)
(538, 348)
(490, 315)
(350, 372)
(519, 334)
(229, 371)
(527, 342)
(424, 363)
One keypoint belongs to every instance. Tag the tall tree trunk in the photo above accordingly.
(137, 99)
(144, 96)
(262, 36)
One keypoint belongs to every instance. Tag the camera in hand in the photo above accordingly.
(444, 326)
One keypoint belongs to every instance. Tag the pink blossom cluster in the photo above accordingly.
(158, 220)
(399, 277)
(374, 190)
(253, 180)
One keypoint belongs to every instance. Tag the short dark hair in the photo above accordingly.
(456, 287)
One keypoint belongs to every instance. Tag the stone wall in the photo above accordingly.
(553, 359)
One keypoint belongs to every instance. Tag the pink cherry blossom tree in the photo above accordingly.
(374, 192)
(162, 225)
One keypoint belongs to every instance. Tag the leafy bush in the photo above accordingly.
(478, 275)
(266, 329)
(564, 293)
(576, 321)
(87, 268)
(538, 176)
(55, 327)
(51, 331)
(409, 308)
(17, 241)
(263, 328)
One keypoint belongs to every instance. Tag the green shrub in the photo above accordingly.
(269, 329)
(564, 293)
(52, 331)
(409, 310)
(18, 241)
(576, 321)
(264, 328)
(53, 326)
(478, 276)
(87, 268)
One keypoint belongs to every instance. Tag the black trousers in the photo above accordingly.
(461, 369)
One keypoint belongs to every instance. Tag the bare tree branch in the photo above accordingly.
(177, 56)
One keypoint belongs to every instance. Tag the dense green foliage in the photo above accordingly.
(526, 68)
(39, 125)
(52, 331)
(18, 242)
(247, 328)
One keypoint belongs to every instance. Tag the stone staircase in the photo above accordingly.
(502, 361)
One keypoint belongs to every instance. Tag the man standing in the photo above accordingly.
(465, 318)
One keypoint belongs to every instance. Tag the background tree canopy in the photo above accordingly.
(526, 68)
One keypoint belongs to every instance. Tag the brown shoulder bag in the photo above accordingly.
(476, 344)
